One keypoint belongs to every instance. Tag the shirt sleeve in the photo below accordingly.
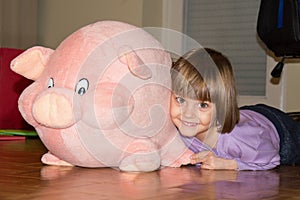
(254, 145)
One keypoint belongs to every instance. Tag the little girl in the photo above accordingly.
(205, 110)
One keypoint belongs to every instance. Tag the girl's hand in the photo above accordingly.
(208, 160)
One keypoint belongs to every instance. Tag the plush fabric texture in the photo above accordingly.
(101, 99)
(11, 86)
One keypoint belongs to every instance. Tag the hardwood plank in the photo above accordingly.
(23, 176)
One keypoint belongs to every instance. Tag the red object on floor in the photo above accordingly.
(11, 86)
(11, 138)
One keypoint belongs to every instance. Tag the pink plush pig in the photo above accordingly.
(101, 99)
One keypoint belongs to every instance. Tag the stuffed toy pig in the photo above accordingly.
(101, 99)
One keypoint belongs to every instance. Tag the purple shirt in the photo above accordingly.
(253, 143)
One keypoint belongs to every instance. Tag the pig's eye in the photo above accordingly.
(50, 83)
(82, 86)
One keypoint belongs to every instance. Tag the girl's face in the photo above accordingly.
(191, 117)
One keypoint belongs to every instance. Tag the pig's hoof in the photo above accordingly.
(50, 159)
(141, 162)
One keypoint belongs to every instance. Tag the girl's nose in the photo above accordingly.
(189, 110)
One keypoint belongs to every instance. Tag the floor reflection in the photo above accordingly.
(169, 183)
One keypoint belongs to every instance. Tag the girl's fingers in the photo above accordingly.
(205, 166)
(199, 157)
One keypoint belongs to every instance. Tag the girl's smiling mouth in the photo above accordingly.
(189, 123)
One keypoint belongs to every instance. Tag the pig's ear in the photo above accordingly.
(31, 63)
(135, 65)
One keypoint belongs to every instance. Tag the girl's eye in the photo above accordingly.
(203, 105)
(180, 100)
(82, 86)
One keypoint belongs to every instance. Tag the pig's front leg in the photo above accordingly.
(50, 159)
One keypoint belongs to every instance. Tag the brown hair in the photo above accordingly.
(207, 75)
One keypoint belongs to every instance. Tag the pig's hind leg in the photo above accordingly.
(142, 156)
(141, 162)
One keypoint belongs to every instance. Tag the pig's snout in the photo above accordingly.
(55, 109)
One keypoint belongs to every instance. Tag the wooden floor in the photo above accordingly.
(24, 177)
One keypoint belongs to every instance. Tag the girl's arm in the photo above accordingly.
(208, 160)
(256, 149)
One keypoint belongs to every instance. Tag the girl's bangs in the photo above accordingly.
(192, 89)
